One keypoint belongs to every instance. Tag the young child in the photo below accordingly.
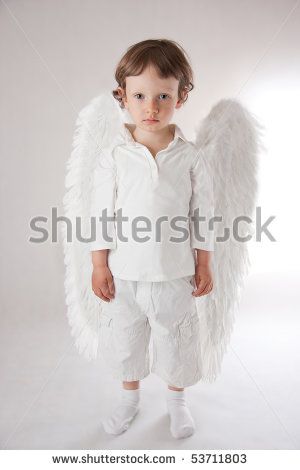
(147, 282)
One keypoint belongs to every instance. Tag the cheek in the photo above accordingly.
(169, 108)
(135, 106)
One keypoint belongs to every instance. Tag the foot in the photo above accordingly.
(181, 421)
(122, 416)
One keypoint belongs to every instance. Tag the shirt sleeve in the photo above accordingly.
(202, 199)
(103, 232)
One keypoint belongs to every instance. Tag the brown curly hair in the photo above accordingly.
(168, 58)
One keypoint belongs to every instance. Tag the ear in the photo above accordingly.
(122, 94)
(181, 100)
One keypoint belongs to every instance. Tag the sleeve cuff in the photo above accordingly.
(203, 246)
(95, 246)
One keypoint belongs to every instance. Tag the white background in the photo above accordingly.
(55, 57)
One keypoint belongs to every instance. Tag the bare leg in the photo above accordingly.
(131, 385)
(170, 387)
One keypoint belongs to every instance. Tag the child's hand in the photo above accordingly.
(203, 280)
(103, 283)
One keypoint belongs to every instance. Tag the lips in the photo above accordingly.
(151, 120)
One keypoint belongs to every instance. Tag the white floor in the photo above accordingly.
(52, 398)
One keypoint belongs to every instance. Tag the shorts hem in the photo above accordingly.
(132, 378)
(169, 382)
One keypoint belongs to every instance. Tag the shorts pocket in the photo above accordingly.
(189, 344)
(188, 327)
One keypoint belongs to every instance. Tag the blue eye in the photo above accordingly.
(164, 95)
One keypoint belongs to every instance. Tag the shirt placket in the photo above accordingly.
(153, 162)
(153, 166)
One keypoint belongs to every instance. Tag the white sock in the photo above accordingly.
(181, 420)
(120, 419)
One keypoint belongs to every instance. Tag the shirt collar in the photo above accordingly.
(126, 136)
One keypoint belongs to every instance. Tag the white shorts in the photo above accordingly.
(167, 311)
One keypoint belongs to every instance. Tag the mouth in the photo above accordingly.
(150, 120)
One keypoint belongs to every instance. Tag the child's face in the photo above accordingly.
(149, 96)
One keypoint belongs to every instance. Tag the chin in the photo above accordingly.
(150, 125)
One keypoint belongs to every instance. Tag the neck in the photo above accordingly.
(146, 138)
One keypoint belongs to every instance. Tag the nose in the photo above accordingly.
(152, 107)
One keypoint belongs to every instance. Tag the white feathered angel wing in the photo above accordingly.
(96, 126)
(230, 139)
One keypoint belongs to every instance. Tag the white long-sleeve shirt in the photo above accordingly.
(129, 179)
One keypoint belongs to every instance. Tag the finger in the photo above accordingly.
(111, 286)
(105, 288)
(104, 298)
(200, 288)
(101, 295)
(203, 283)
(106, 291)
(207, 289)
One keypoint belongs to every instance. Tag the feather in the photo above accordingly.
(96, 126)
(230, 138)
